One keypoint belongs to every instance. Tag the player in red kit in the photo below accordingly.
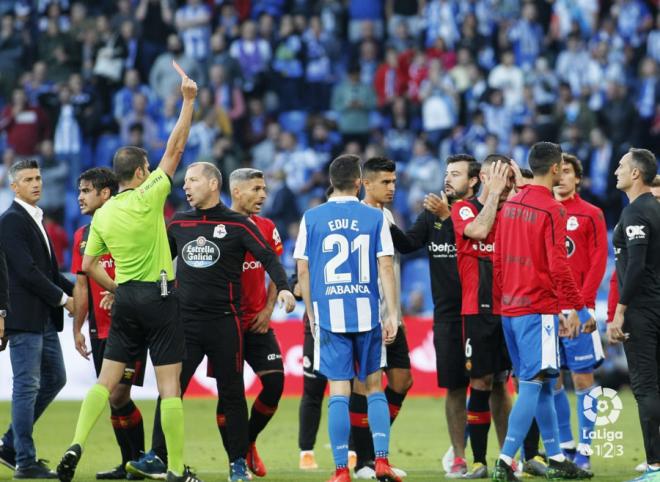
(262, 352)
(95, 187)
(486, 357)
(531, 267)
(586, 249)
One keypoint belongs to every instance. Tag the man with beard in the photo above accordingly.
(434, 229)
(475, 224)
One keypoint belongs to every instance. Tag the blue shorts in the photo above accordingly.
(342, 356)
(533, 345)
(582, 354)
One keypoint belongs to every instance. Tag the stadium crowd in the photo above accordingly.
(286, 85)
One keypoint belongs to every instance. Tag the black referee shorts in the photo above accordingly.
(484, 345)
(398, 353)
(134, 371)
(449, 354)
(262, 352)
(142, 319)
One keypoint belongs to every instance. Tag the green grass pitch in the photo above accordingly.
(419, 439)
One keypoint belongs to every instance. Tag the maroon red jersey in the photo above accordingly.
(530, 262)
(99, 319)
(253, 279)
(586, 247)
(475, 262)
(612, 297)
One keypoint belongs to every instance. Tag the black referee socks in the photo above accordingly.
(264, 407)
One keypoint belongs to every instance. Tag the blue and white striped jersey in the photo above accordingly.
(342, 241)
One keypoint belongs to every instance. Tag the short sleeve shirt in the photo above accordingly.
(131, 226)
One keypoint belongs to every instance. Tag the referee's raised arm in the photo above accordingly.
(177, 141)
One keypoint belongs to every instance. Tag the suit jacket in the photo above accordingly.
(4, 291)
(35, 283)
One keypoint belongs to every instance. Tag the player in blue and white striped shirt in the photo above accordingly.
(343, 248)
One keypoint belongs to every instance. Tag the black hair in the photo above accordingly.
(575, 162)
(644, 160)
(542, 156)
(100, 178)
(126, 160)
(378, 164)
(344, 170)
(474, 168)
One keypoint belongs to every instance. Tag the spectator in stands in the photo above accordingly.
(441, 18)
(653, 41)
(618, 114)
(56, 49)
(193, 22)
(264, 152)
(220, 56)
(163, 79)
(254, 125)
(26, 126)
(572, 64)
(498, 119)
(574, 110)
(526, 37)
(647, 97)
(207, 104)
(11, 53)
(124, 13)
(156, 18)
(423, 174)
(132, 46)
(439, 51)
(574, 143)
(415, 72)
(37, 83)
(401, 40)
(55, 174)
(318, 66)
(439, 105)
(139, 114)
(80, 21)
(227, 96)
(388, 81)
(634, 20)
(368, 60)
(596, 184)
(203, 134)
(122, 101)
(353, 101)
(404, 12)
(288, 66)
(508, 77)
(253, 55)
(228, 21)
(361, 12)
(522, 145)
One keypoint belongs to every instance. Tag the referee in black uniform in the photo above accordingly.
(636, 321)
(210, 242)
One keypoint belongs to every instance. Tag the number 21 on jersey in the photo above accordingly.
(340, 244)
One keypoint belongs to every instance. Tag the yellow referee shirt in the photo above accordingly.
(131, 226)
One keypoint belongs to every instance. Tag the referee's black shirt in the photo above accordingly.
(637, 249)
(210, 245)
(440, 241)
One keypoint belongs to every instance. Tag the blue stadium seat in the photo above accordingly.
(415, 276)
(294, 121)
(106, 146)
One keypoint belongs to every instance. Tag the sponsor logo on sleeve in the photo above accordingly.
(465, 213)
(277, 239)
(635, 232)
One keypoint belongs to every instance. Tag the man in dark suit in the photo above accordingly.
(4, 298)
(38, 293)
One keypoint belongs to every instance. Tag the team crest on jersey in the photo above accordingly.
(200, 253)
(465, 213)
(570, 246)
(220, 231)
(572, 224)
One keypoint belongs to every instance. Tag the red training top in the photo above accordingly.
(253, 279)
(586, 246)
(612, 297)
(530, 261)
(475, 262)
(99, 319)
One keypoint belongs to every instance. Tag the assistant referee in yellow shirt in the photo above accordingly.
(145, 312)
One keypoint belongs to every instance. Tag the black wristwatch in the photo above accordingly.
(3, 313)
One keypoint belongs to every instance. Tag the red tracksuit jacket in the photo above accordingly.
(586, 247)
(530, 261)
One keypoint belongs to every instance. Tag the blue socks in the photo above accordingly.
(379, 423)
(585, 426)
(563, 409)
(339, 428)
(546, 417)
(521, 416)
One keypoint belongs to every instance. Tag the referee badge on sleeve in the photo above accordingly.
(220, 231)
